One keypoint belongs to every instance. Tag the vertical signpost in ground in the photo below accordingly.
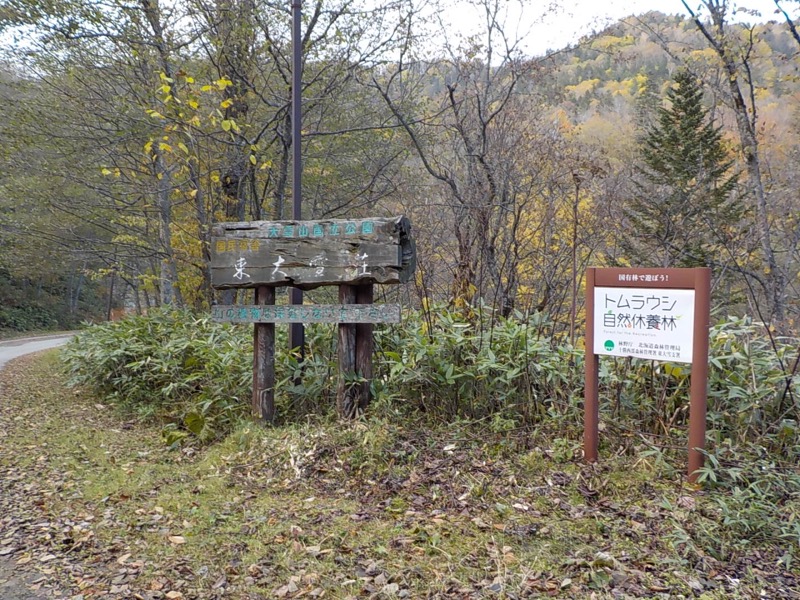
(297, 338)
(658, 314)
(353, 254)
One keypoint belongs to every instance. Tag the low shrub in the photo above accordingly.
(198, 375)
(170, 364)
(27, 318)
(451, 366)
(752, 501)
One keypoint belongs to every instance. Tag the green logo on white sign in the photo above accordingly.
(609, 345)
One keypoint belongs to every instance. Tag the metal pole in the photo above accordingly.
(296, 332)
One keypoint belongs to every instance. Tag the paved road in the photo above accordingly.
(14, 586)
(14, 348)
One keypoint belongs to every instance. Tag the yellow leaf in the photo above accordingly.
(206, 88)
(226, 124)
(165, 147)
(148, 147)
(253, 159)
(215, 177)
(226, 103)
(105, 171)
(189, 79)
(193, 104)
(183, 147)
(223, 83)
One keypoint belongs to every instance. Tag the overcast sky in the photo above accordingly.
(567, 21)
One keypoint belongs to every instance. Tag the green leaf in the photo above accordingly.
(195, 422)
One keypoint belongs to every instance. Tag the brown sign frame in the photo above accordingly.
(697, 279)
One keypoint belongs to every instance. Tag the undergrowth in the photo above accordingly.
(194, 376)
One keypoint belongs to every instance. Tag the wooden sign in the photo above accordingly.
(657, 314)
(353, 254)
(314, 313)
(309, 254)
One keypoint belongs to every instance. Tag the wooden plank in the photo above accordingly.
(306, 278)
(382, 230)
(263, 402)
(348, 391)
(316, 254)
(308, 313)
(309, 254)
(364, 346)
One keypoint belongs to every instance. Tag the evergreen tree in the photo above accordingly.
(684, 205)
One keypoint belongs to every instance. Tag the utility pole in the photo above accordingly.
(296, 331)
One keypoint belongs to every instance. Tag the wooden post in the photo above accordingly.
(698, 389)
(590, 392)
(364, 345)
(263, 403)
(347, 393)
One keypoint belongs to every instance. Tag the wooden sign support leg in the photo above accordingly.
(591, 413)
(263, 403)
(698, 390)
(364, 345)
(347, 393)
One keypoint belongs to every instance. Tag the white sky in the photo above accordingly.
(543, 27)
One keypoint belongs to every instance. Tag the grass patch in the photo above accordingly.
(379, 508)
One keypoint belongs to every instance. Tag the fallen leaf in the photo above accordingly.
(177, 539)
(390, 589)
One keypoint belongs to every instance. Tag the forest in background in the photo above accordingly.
(130, 128)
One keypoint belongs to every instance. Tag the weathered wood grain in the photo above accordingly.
(364, 344)
(309, 313)
(309, 254)
(263, 402)
(349, 390)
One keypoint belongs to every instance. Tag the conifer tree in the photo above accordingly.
(684, 206)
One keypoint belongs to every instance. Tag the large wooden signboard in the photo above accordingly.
(351, 253)
(309, 254)
(658, 314)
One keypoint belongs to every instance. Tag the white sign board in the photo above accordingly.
(652, 323)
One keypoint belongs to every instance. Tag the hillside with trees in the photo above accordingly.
(132, 128)
(134, 467)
